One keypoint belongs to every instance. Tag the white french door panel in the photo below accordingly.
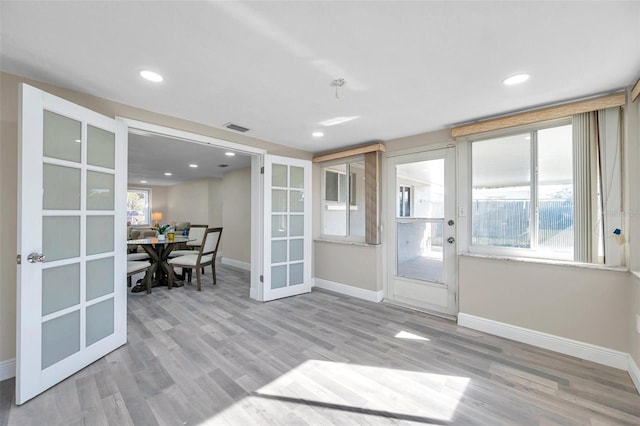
(421, 256)
(287, 227)
(71, 297)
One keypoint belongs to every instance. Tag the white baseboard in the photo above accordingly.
(7, 369)
(349, 290)
(237, 263)
(634, 372)
(587, 351)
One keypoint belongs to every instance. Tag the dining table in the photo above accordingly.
(160, 273)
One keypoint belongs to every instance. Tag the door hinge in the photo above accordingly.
(261, 278)
(261, 170)
(19, 259)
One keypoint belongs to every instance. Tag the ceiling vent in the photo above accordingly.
(223, 165)
(236, 127)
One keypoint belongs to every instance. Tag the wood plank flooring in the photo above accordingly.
(217, 357)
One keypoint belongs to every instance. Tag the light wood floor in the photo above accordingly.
(217, 357)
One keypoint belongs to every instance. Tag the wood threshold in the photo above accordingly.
(544, 114)
(350, 152)
(635, 91)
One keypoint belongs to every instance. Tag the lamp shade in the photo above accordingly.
(156, 216)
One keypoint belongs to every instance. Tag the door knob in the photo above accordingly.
(35, 258)
(451, 240)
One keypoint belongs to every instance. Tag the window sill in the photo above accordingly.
(345, 242)
(550, 262)
(636, 273)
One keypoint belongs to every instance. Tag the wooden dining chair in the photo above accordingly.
(196, 232)
(136, 267)
(205, 256)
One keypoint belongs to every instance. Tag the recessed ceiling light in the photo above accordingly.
(143, 181)
(151, 76)
(194, 166)
(230, 154)
(338, 120)
(168, 173)
(317, 134)
(515, 79)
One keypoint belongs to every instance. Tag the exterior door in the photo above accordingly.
(71, 292)
(287, 248)
(422, 259)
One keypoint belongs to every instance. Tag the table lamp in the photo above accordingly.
(156, 217)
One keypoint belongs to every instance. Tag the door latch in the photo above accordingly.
(35, 258)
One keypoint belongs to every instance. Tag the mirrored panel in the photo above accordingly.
(101, 147)
(278, 276)
(278, 251)
(296, 249)
(278, 225)
(99, 234)
(279, 175)
(99, 277)
(60, 338)
(297, 225)
(100, 321)
(61, 187)
(62, 137)
(420, 252)
(100, 190)
(297, 177)
(296, 201)
(296, 274)
(60, 237)
(60, 288)
(278, 200)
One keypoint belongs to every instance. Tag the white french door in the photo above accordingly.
(287, 225)
(71, 296)
(421, 214)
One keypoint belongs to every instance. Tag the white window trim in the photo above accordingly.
(465, 247)
(150, 190)
(323, 201)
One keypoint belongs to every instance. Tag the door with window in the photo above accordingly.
(287, 207)
(422, 231)
(71, 297)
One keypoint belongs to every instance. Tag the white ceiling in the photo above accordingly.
(410, 66)
(150, 156)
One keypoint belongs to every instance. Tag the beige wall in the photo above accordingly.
(188, 202)
(236, 215)
(215, 203)
(9, 182)
(588, 305)
(355, 265)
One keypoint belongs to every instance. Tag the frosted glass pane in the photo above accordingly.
(296, 274)
(60, 237)
(420, 251)
(296, 250)
(101, 147)
(297, 225)
(62, 137)
(278, 200)
(99, 234)
(60, 338)
(279, 175)
(297, 177)
(100, 319)
(279, 225)
(99, 277)
(60, 288)
(100, 190)
(61, 187)
(296, 201)
(279, 276)
(278, 251)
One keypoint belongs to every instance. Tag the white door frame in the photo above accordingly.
(388, 200)
(257, 162)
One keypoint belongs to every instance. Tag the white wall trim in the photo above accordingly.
(7, 369)
(587, 351)
(237, 263)
(634, 372)
(349, 290)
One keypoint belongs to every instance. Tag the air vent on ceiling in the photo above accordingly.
(236, 127)
(223, 165)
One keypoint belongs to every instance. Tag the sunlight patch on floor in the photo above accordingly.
(340, 392)
(410, 336)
